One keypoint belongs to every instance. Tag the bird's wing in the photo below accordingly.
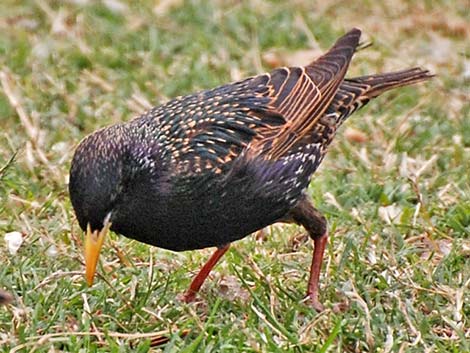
(265, 114)
(302, 95)
(208, 130)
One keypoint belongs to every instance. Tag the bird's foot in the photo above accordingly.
(340, 307)
(312, 299)
(187, 297)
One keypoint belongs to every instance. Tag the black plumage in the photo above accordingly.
(210, 168)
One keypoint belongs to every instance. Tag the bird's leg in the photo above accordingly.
(317, 260)
(314, 222)
(203, 273)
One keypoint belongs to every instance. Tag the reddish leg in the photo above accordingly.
(203, 273)
(315, 268)
(305, 214)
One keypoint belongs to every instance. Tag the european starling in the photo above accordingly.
(207, 169)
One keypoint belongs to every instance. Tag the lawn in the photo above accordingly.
(394, 187)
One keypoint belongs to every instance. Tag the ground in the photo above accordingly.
(394, 187)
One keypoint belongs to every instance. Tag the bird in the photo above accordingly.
(210, 168)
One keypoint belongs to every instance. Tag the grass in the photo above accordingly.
(68, 68)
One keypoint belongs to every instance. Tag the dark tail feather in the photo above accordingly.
(357, 92)
(380, 83)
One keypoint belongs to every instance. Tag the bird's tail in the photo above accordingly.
(377, 84)
(356, 92)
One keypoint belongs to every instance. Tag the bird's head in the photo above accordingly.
(96, 179)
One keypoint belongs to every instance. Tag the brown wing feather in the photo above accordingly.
(302, 95)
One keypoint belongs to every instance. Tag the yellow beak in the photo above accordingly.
(93, 243)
